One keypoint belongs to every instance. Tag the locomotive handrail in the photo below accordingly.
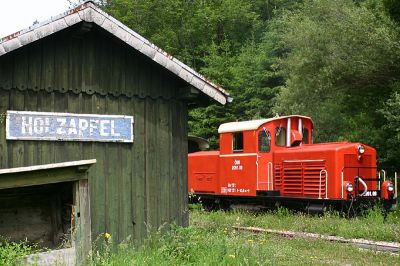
(364, 185)
(384, 174)
(270, 176)
(342, 182)
(395, 185)
(320, 183)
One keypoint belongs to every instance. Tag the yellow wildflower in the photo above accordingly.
(232, 256)
(107, 235)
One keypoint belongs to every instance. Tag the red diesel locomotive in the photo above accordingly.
(272, 162)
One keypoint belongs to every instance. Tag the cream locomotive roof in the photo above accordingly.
(252, 124)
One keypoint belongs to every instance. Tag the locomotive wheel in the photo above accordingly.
(215, 204)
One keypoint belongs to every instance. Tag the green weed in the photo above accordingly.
(11, 251)
(373, 224)
(211, 240)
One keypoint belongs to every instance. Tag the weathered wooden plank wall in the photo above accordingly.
(132, 186)
(93, 63)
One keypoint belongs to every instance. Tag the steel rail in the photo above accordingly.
(381, 246)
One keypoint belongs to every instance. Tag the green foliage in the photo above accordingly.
(373, 224)
(340, 59)
(189, 29)
(211, 240)
(392, 7)
(391, 112)
(11, 251)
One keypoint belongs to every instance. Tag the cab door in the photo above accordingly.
(264, 162)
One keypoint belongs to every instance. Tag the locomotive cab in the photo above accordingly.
(274, 160)
(247, 149)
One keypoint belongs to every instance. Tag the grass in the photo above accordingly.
(372, 225)
(11, 251)
(210, 240)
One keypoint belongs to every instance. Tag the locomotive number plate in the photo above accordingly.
(370, 193)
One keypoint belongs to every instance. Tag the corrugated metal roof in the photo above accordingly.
(252, 124)
(89, 12)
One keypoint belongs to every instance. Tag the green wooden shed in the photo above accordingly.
(85, 62)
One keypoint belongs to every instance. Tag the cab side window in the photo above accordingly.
(305, 135)
(280, 136)
(264, 141)
(237, 142)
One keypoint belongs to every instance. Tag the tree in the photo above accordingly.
(391, 129)
(189, 29)
(393, 9)
(339, 62)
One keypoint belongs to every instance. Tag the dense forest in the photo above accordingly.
(334, 60)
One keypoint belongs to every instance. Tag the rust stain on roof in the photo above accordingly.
(64, 14)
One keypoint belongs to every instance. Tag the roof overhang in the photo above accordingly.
(44, 174)
(89, 12)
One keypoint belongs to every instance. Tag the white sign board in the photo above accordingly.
(23, 125)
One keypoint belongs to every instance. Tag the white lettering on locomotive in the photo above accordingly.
(371, 193)
(237, 166)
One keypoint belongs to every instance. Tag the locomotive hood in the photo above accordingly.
(322, 149)
(331, 146)
(326, 151)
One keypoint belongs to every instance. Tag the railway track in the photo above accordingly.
(380, 246)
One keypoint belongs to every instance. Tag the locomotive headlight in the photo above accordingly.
(349, 188)
(361, 149)
(390, 188)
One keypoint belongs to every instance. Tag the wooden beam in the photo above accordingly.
(44, 174)
(188, 93)
(82, 234)
(65, 256)
(47, 166)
